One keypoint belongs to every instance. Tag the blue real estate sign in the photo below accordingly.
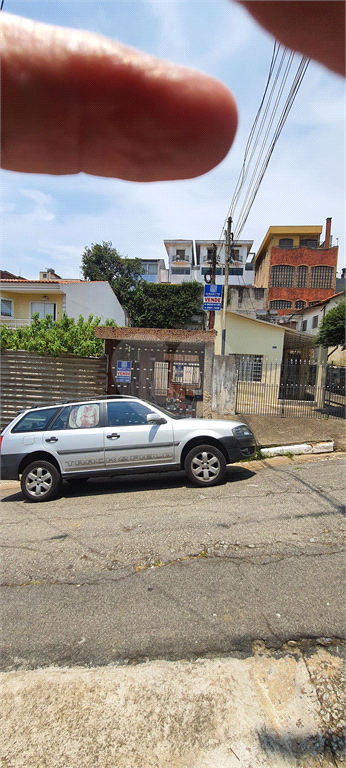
(212, 297)
(124, 371)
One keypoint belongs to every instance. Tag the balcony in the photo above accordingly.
(12, 322)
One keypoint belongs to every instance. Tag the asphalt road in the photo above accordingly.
(152, 567)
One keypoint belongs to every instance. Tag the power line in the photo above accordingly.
(2, 5)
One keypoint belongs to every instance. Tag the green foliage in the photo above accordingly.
(61, 337)
(103, 262)
(162, 305)
(332, 329)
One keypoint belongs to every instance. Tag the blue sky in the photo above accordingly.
(48, 220)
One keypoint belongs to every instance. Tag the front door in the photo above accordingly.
(131, 441)
(77, 439)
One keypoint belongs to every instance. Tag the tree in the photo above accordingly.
(332, 329)
(162, 305)
(51, 337)
(103, 262)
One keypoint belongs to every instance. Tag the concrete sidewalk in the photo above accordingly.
(265, 711)
(271, 430)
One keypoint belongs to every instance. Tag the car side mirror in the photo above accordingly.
(154, 418)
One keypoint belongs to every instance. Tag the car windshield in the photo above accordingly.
(165, 412)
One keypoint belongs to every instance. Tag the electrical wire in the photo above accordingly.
(2, 5)
(279, 70)
(256, 181)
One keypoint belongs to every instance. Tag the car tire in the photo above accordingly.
(40, 481)
(205, 465)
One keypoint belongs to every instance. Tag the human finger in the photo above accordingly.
(315, 28)
(73, 101)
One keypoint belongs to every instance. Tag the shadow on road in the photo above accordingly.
(135, 483)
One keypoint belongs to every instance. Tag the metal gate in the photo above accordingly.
(296, 388)
(162, 373)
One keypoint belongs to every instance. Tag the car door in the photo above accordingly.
(76, 438)
(131, 441)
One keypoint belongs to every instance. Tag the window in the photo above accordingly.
(180, 254)
(186, 373)
(127, 414)
(84, 416)
(218, 270)
(258, 293)
(149, 269)
(304, 325)
(249, 267)
(308, 243)
(43, 308)
(250, 368)
(299, 304)
(35, 421)
(282, 276)
(61, 421)
(210, 253)
(236, 255)
(6, 308)
(180, 270)
(240, 295)
(315, 321)
(280, 304)
(302, 276)
(236, 271)
(286, 242)
(321, 277)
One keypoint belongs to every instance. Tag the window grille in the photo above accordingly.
(321, 277)
(180, 270)
(236, 271)
(299, 304)
(315, 321)
(308, 243)
(285, 242)
(302, 276)
(250, 368)
(280, 304)
(160, 378)
(258, 293)
(282, 276)
(186, 373)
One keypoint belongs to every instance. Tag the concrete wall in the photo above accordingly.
(93, 298)
(224, 385)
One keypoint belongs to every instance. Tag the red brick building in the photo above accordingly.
(295, 267)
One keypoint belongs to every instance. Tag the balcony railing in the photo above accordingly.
(12, 322)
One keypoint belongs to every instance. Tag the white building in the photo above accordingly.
(189, 260)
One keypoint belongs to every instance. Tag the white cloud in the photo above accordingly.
(44, 204)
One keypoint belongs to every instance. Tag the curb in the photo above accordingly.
(302, 448)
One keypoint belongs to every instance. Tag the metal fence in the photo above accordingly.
(296, 388)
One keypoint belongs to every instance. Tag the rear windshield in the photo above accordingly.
(35, 421)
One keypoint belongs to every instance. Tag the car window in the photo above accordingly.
(127, 414)
(61, 421)
(35, 421)
(84, 416)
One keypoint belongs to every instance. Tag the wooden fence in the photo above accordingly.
(27, 379)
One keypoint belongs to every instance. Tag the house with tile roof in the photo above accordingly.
(51, 295)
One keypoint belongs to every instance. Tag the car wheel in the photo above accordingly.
(40, 481)
(205, 465)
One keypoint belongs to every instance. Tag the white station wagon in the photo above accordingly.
(121, 435)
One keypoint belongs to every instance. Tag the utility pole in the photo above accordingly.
(212, 282)
(228, 256)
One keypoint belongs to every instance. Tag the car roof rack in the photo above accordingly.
(79, 400)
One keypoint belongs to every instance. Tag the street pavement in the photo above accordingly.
(148, 622)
